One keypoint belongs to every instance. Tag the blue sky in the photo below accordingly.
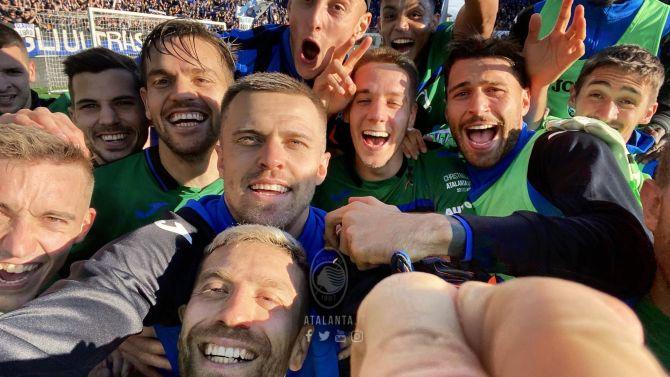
(454, 6)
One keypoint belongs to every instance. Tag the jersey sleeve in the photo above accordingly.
(600, 240)
(80, 320)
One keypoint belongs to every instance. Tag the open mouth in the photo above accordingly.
(16, 274)
(375, 139)
(7, 99)
(310, 51)
(482, 135)
(114, 138)
(188, 119)
(269, 189)
(403, 45)
(228, 355)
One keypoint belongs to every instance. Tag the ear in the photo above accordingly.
(70, 113)
(32, 75)
(219, 159)
(651, 110)
(651, 196)
(300, 347)
(362, 25)
(143, 94)
(322, 170)
(525, 101)
(573, 97)
(86, 224)
(180, 311)
(412, 114)
(435, 21)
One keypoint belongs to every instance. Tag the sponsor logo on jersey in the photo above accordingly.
(458, 209)
(457, 181)
(176, 227)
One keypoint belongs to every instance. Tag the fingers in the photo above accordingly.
(358, 53)
(563, 16)
(561, 320)
(144, 351)
(413, 143)
(534, 27)
(341, 52)
(369, 200)
(410, 327)
(331, 234)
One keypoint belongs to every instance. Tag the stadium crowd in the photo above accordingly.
(450, 203)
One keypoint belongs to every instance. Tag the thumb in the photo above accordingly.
(534, 27)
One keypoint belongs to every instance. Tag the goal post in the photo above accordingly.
(67, 33)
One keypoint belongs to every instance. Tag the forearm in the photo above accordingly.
(538, 106)
(608, 250)
(79, 320)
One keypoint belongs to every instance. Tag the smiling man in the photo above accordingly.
(45, 193)
(182, 94)
(549, 203)
(272, 155)
(246, 314)
(112, 119)
(17, 72)
(379, 115)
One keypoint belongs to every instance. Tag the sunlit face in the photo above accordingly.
(485, 109)
(406, 25)
(271, 158)
(244, 315)
(44, 209)
(16, 74)
(182, 97)
(112, 119)
(621, 100)
(379, 114)
(321, 26)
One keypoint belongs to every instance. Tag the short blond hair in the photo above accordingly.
(263, 234)
(33, 145)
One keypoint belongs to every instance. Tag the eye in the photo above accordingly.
(460, 94)
(363, 101)
(55, 220)
(595, 95)
(248, 140)
(339, 8)
(161, 82)
(416, 15)
(89, 106)
(388, 16)
(125, 103)
(202, 80)
(627, 102)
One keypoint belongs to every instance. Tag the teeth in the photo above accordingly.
(227, 355)
(481, 127)
(403, 40)
(376, 133)
(192, 116)
(277, 188)
(18, 268)
(114, 137)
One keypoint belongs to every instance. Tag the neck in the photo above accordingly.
(391, 168)
(295, 228)
(660, 293)
(198, 172)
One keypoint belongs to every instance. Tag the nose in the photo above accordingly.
(377, 112)
(479, 103)
(273, 154)
(108, 115)
(184, 89)
(607, 111)
(18, 241)
(317, 13)
(403, 23)
(239, 309)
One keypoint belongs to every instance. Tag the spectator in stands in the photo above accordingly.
(642, 22)
(520, 328)
(106, 105)
(45, 193)
(17, 71)
(412, 27)
(654, 309)
(565, 188)
(248, 306)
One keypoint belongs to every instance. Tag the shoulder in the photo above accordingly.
(261, 34)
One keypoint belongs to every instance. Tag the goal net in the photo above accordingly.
(60, 34)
